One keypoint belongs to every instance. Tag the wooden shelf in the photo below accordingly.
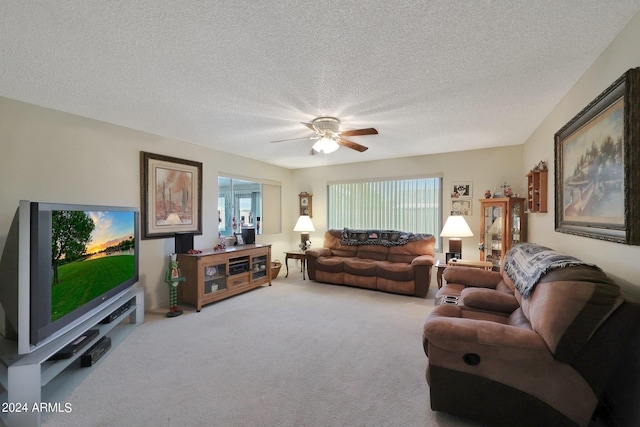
(537, 190)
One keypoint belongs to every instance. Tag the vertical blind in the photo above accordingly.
(412, 205)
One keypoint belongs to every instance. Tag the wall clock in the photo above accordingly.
(305, 204)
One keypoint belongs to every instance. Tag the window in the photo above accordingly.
(242, 202)
(412, 205)
(239, 204)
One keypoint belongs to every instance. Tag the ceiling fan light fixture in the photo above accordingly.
(326, 145)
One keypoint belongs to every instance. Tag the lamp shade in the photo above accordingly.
(456, 226)
(304, 224)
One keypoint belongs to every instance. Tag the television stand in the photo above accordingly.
(33, 379)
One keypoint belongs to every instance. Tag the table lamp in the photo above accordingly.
(304, 225)
(455, 227)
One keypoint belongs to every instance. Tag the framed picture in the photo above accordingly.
(171, 191)
(305, 204)
(597, 194)
(461, 190)
(463, 206)
(239, 239)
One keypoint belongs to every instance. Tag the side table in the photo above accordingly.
(440, 265)
(296, 255)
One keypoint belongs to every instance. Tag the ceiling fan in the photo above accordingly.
(329, 138)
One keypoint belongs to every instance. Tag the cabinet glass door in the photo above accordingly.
(258, 267)
(516, 226)
(493, 226)
(215, 278)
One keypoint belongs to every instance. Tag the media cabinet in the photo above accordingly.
(34, 379)
(215, 275)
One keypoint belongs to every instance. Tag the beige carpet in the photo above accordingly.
(297, 353)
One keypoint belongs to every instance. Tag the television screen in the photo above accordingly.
(91, 253)
(81, 257)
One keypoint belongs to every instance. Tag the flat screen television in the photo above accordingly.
(70, 260)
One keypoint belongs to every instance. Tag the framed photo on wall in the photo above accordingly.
(597, 178)
(461, 190)
(463, 206)
(171, 191)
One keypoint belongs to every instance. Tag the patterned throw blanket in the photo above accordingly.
(387, 238)
(526, 263)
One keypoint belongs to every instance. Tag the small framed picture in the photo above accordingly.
(461, 190)
(463, 206)
(239, 239)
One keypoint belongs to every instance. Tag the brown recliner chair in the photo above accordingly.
(547, 361)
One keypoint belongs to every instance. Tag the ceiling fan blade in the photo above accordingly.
(358, 132)
(310, 126)
(351, 144)
(297, 139)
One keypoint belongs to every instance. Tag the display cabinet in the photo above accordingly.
(502, 225)
(214, 275)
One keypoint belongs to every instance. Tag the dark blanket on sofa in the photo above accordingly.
(526, 263)
(386, 238)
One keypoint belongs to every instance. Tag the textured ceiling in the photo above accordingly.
(430, 76)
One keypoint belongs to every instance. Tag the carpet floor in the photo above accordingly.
(298, 353)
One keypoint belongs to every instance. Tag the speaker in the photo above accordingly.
(248, 235)
(184, 242)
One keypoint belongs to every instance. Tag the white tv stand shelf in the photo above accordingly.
(33, 379)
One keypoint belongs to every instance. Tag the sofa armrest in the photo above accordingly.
(470, 276)
(318, 252)
(428, 260)
(489, 299)
(447, 329)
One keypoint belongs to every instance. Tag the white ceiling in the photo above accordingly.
(430, 76)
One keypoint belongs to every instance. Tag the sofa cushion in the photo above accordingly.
(358, 266)
(568, 305)
(395, 286)
(420, 244)
(334, 264)
(332, 242)
(395, 271)
(345, 252)
(379, 253)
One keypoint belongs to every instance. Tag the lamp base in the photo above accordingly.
(304, 241)
(455, 245)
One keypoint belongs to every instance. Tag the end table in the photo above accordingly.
(296, 255)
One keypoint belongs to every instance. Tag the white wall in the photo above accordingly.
(618, 260)
(48, 155)
(486, 169)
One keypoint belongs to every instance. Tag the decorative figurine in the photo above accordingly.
(173, 279)
(508, 192)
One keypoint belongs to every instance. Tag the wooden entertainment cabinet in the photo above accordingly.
(215, 275)
(34, 379)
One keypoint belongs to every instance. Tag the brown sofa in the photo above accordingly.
(544, 359)
(387, 261)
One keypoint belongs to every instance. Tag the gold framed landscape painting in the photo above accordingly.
(596, 186)
(171, 191)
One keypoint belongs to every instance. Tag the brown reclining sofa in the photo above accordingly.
(387, 261)
(547, 341)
